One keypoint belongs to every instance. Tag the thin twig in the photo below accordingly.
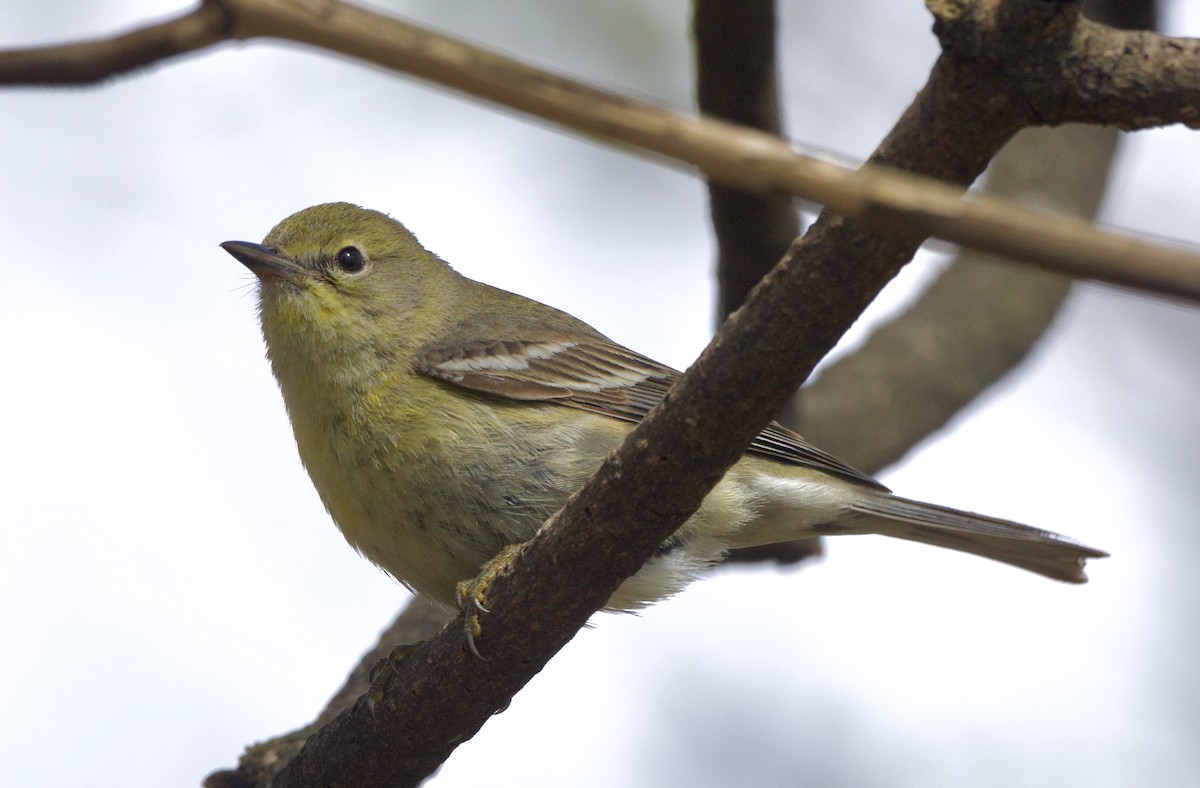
(1132, 80)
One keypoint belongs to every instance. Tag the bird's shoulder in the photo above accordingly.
(510, 346)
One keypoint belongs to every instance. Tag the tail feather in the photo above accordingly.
(1038, 551)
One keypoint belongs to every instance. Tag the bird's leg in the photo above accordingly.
(472, 594)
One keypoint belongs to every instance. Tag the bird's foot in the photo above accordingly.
(382, 671)
(471, 595)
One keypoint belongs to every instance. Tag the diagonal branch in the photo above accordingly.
(1081, 70)
(980, 318)
(736, 81)
(258, 766)
(440, 695)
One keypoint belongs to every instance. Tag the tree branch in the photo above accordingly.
(440, 696)
(1121, 74)
(1064, 169)
(93, 61)
(1077, 70)
(736, 81)
(259, 765)
(980, 318)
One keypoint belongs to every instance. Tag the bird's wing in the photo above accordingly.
(595, 374)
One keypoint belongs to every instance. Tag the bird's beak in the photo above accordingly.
(264, 262)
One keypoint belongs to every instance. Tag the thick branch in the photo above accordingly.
(1088, 54)
(441, 696)
(1077, 70)
(980, 318)
(736, 81)
(253, 762)
(652, 482)
(259, 765)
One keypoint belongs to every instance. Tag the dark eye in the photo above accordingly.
(350, 260)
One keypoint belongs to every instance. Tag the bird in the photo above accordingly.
(442, 420)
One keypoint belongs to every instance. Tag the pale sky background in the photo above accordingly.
(171, 589)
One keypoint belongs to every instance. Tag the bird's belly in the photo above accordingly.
(432, 510)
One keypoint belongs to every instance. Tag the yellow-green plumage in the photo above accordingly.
(442, 419)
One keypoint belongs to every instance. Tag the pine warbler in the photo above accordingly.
(442, 420)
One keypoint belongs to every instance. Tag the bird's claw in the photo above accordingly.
(383, 670)
(471, 594)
